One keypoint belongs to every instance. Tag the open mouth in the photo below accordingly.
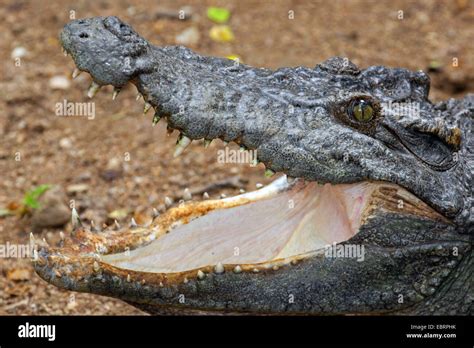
(274, 226)
(279, 221)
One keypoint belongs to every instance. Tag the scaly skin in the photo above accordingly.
(299, 121)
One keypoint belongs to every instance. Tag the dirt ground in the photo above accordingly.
(77, 154)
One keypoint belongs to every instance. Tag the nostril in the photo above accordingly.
(81, 21)
(83, 35)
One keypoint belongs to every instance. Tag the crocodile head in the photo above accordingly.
(373, 214)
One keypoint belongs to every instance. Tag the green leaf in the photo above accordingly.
(218, 14)
(31, 197)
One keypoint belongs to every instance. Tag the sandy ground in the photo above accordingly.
(67, 151)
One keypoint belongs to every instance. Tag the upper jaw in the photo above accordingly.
(438, 185)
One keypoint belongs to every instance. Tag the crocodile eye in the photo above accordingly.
(361, 110)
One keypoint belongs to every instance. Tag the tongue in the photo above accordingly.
(303, 219)
(331, 216)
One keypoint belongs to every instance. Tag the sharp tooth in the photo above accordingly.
(258, 185)
(64, 51)
(201, 275)
(181, 145)
(61, 235)
(96, 266)
(223, 195)
(133, 223)
(242, 191)
(117, 225)
(237, 269)
(76, 221)
(32, 240)
(146, 107)
(269, 173)
(168, 202)
(76, 73)
(187, 196)
(207, 142)
(205, 195)
(129, 279)
(155, 213)
(156, 119)
(219, 268)
(116, 92)
(93, 89)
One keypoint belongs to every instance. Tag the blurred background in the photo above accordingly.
(116, 165)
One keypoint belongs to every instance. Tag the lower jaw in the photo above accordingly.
(265, 230)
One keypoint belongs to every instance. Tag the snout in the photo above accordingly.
(79, 30)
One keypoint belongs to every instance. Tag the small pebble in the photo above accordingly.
(19, 52)
(189, 36)
(65, 143)
(59, 82)
(77, 188)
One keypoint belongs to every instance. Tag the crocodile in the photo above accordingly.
(370, 213)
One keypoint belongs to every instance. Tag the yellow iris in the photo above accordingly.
(363, 111)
